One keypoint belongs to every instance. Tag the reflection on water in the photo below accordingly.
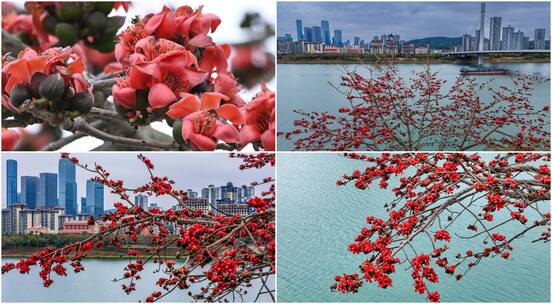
(318, 220)
(95, 285)
(306, 87)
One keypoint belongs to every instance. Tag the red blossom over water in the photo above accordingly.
(433, 192)
(383, 111)
(221, 253)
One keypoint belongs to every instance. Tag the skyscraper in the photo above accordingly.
(477, 40)
(299, 25)
(494, 33)
(47, 190)
(11, 182)
(357, 41)
(539, 43)
(142, 201)
(317, 33)
(94, 198)
(326, 32)
(338, 38)
(466, 42)
(309, 35)
(518, 40)
(67, 186)
(83, 206)
(29, 190)
(507, 37)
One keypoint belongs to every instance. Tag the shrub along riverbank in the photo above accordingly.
(25, 245)
(328, 58)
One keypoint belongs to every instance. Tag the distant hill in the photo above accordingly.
(437, 42)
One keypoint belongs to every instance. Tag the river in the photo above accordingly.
(318, 220)
(95, 285)
(306, 87)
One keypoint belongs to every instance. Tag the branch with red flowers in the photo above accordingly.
(165, 68)
(223, 254)
(385, 112)
(435, 192)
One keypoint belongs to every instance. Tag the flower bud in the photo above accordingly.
(49, 23)
(69, 12)
(104, 7)
(96, 21)
(19, 93)
(66, 33)
(82, 102)
(177, 131)
(52, 88)
(36, 80)
(66, 99)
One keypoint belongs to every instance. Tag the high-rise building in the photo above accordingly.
(476, 40)
(142, 201)
(494, 33)
(299, 26)
(325, 25)
(357, 41)
(518, 40)
(67, 186)
(18, 219)
(317, 33)
(507, 37)
(309, 35)
(29, 190)
(94, 198)
(83, 206)
(47, 190)
(191, 193)
(466, 42)
(539, 43)
(338, 38)
(11, 182)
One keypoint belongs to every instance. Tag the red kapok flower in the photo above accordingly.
(162, 25)
(203, 130)
(209, 101)
(260, 122)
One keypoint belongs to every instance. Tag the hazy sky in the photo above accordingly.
(411, 19)
(188, 170)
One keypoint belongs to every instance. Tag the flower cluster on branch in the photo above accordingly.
(385, 112)
(433, 194)
(223, 254)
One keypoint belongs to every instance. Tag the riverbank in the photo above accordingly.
(97, 253)
(436, 59)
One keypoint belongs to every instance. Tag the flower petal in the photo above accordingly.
(126, 97)
(160, 96)
(184, 107)
(211, 100)
(201, 41)
(268, 140)
(187, 128)
(249, 134)
(202, 142)
(227, 133)
(232, 113)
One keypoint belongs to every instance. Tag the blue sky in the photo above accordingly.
(188, 170)
(412, 19)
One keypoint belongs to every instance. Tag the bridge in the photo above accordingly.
(485, 52)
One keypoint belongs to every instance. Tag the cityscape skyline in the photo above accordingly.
(524, 16)
(216, 169)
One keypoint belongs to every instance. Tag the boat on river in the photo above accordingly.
(484, 72)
